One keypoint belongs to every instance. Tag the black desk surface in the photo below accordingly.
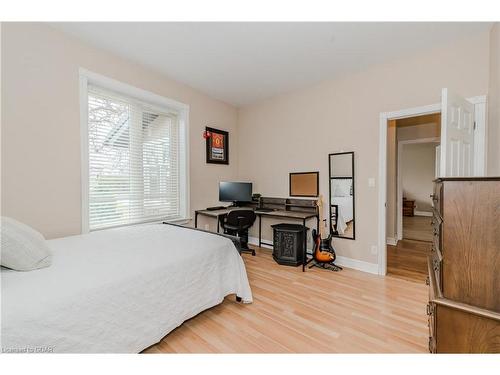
(275, 213)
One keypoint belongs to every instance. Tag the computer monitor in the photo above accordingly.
(235, 192)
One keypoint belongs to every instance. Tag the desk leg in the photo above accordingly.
(196, 219)
(260, 230)
(304, 256)
(218, 224)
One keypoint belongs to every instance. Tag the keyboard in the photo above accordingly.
(265, 209)
(215, 208)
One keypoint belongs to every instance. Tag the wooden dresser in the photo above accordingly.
(464, 267)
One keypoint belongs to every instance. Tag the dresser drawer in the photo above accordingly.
(431, 321)
(436, 197)
(437, 231)
(431, 306)
(437, 265)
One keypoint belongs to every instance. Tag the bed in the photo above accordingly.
(342, 202)
(345, 212)
(118, 290)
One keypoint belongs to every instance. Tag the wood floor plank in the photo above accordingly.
(408, 260)
(417, 228)
(318, 311)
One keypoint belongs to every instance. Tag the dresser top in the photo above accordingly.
(492, 178)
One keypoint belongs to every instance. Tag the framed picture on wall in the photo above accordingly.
(217, 146)
(304, 184)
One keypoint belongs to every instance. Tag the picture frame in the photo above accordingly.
(304, 184)
(217, 146)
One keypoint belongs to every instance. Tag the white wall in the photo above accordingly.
(418, 163)
(41, 125)
(297, 131)
(494, 103)
(291, 132)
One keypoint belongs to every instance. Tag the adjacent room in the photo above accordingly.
(250, 187)
(412, 164)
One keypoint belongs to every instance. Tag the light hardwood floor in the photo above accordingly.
(316, 311)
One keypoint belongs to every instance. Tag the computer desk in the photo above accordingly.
(285, 214)
(216, 214)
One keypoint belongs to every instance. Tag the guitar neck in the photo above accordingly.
(319, 203)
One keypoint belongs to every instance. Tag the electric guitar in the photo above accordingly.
(323, 250)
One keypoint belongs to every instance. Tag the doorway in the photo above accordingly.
(479, 157)
(411, 168)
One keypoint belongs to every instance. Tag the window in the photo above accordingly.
(136, 157)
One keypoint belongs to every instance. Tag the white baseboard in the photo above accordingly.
(341, 261)
(423, 213)
(356, 264)
(391, 241)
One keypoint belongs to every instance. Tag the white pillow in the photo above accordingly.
(342, 188)
(23, 248)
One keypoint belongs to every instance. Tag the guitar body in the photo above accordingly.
(323, 249)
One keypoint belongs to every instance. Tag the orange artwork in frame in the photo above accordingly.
(217, 145)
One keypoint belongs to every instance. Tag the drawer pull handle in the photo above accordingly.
(436, 264)
(429, 309)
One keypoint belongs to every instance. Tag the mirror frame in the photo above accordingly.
(330, 195)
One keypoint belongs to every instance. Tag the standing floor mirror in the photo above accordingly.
(342, 218)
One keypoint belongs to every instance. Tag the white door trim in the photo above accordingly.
(480, 105)
(399, 183)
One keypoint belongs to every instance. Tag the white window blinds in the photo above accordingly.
(133, 150)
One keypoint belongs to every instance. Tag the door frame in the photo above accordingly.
(480, 103)
(399, 180)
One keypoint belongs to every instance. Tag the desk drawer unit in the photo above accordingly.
(288, 244)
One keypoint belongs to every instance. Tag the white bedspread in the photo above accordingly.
(118, 290)
(346, 213)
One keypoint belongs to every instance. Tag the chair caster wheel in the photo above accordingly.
(238, 299)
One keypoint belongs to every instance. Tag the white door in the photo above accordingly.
(457, 136)
(438, 161)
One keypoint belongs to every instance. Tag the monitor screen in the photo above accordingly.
(235, 191)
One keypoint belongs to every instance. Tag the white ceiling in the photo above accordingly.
(241, 63)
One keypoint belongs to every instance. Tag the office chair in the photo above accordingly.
(237, 222)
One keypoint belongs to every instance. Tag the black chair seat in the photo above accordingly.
(237, 223)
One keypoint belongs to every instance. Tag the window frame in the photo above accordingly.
(87, 77)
